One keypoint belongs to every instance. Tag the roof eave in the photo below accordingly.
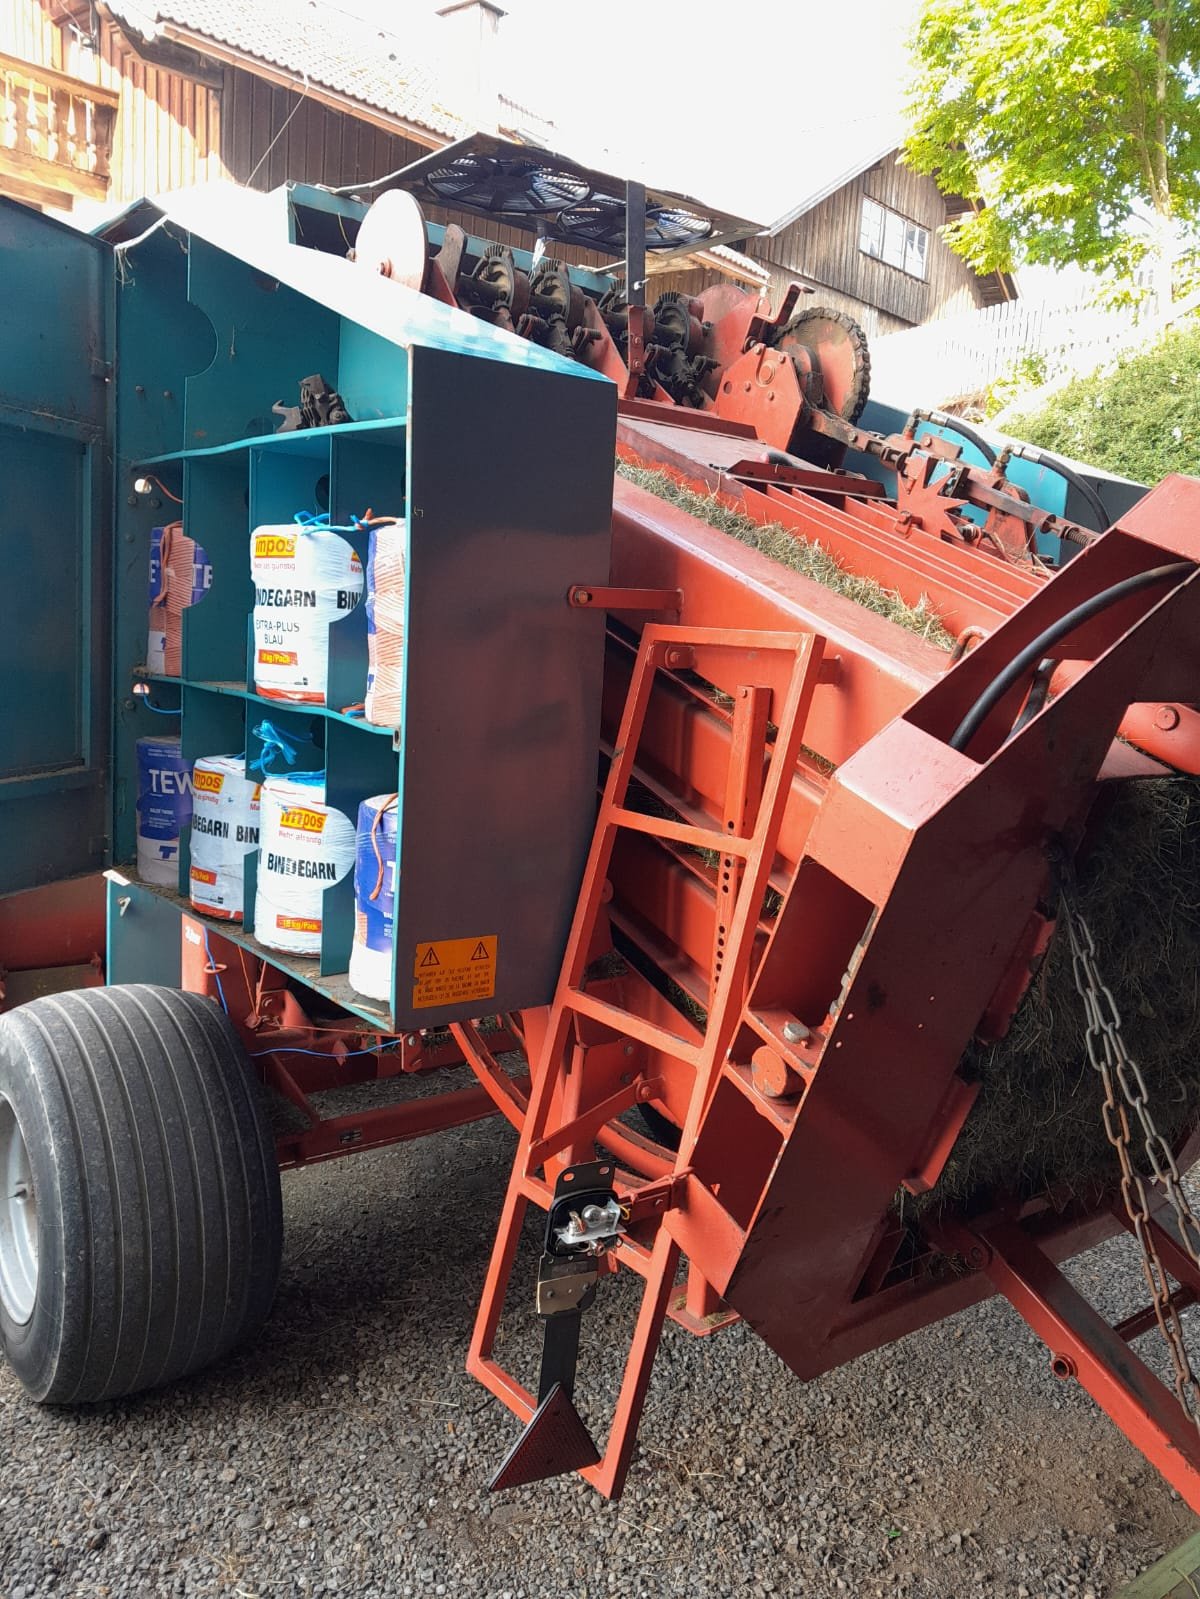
(230, 56)
(840, 182)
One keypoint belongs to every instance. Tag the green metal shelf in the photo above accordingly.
(335, 986)
(238, 690)
(301, 441)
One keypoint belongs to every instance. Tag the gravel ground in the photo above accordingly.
(346, 1453)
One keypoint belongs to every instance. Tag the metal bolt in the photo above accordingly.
(1062, 1366)
(412, 1040)
(583, 596)
(1167, 717)
(627, 1049)
(796, 1032)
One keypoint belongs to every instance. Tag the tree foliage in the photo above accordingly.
(1140, 419)
(1060, 119)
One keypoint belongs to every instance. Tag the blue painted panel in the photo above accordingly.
(253, 229)
(55, 658)
(144, 937)
(372, 375)
(1045, 487)
(215, 515)
(267, 339)
(42, 547)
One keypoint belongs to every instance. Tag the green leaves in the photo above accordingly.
(1063, 118)
(1142, 419)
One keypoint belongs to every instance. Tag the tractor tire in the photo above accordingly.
(141, 1218)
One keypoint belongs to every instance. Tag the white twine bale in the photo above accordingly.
(225, 825)
(305, 577)
(305, 847)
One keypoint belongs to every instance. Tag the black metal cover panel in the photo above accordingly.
(520, 184)
(510, 502)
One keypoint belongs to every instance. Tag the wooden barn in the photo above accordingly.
(867, 241)
(105, 101)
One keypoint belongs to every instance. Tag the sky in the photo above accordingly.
(745, 108)
(735, 105)
(732, 105)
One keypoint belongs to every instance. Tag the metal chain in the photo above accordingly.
(1124, 1092)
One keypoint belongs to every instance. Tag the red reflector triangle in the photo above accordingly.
(554, 1442)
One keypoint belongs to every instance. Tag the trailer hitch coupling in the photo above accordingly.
(582, 1224)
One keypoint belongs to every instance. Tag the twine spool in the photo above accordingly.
(225, 827)
(305, 847)
(180, 575)
(372, 954)
(305, 577)
(385, 621)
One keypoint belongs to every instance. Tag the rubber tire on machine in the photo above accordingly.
(158, 1213)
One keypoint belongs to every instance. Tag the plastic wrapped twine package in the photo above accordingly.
(372, 953)
(305, 847)
(225, 812)
(180, 575)
(385, 621)
(164, 809)
(305, 577)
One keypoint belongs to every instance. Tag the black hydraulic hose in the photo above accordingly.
(1041, 646)
(1080, 485)
(941, 420)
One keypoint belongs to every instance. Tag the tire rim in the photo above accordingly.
(18, 1221)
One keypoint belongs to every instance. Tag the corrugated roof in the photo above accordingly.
(329, 48)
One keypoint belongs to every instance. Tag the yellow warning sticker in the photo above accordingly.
(449, 971)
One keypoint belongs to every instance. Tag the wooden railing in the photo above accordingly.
(56, 135)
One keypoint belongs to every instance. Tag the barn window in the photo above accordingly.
(889, 237)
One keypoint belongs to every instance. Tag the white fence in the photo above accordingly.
(964, 355)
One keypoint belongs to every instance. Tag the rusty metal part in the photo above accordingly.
(677, 322)
(552, 294)
(495, 289)
(554, 1128)
(551, 334)
(833, 363)
(849, 964)
(1126, 1097)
